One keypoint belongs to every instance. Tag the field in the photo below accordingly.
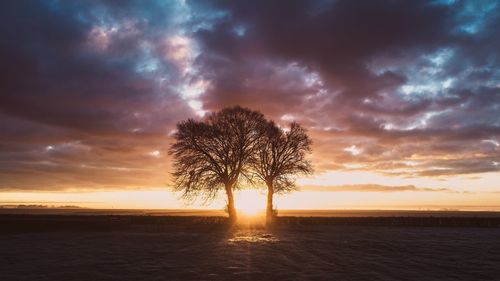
(132, 247)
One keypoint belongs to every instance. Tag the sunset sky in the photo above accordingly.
(401, 98)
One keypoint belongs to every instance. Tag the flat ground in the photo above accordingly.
(200, 249)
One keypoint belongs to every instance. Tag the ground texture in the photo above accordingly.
(298, 252)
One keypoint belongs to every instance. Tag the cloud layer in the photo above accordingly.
(91, 90)
(373, 188)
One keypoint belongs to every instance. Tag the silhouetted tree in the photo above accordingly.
(281, 155)
(213, 154)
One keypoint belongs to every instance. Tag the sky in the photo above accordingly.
(400, 98)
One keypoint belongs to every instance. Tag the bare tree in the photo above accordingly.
(281, 155)
(213, 154)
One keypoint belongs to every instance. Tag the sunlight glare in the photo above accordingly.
(250, 203)
(249, 212)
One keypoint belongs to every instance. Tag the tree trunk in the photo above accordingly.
(269, 208)
(231, 210)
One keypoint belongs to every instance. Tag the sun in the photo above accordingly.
(249, 212)
(250, 203)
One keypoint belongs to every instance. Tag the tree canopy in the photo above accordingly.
(281, 154)
(214, 153)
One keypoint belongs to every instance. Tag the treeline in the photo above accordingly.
(80, 223)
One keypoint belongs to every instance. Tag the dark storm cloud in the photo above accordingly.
(90, 90)
(337, 38)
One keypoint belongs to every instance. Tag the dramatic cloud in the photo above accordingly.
(396, 87)
(91, 90)
(87, 91)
